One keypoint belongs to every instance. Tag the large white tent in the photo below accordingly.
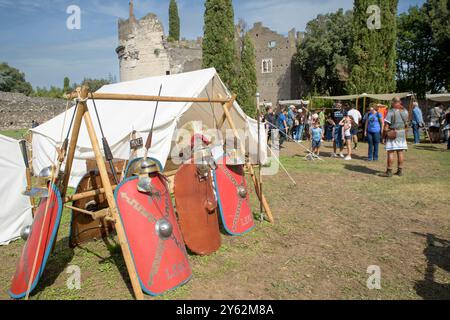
(15, 211)
(120, 118)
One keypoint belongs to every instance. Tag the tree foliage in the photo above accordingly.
(174, 21)
(219, 48)
(12, 80)
(423, 48)
(66, 87)
(322, 58)
(247, 85)
(373, 54)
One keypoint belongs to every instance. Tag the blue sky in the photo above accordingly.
(34, 37)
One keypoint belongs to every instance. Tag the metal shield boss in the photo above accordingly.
(155, 240)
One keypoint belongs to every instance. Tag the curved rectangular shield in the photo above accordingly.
(233, 198)
(152, 231)
(47, 219)
(197, 210)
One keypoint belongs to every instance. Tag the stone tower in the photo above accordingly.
(277, 78)
(142, 49)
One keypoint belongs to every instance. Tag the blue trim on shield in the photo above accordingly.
(49, 247)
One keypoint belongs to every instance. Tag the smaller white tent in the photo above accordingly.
(441, 97)
(15, 209)
(120, 118)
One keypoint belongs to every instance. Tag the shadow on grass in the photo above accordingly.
(361, 169)
(437, 253)
(429, 148)
(59, 259)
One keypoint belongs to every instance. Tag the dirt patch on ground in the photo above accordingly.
(340, 219)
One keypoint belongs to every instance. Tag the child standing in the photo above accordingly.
(347, 124)
(316, 137)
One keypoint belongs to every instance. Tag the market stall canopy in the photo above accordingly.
(121, 118)
(381, 97)
(296, 103)
(15, 211)
(441, 97)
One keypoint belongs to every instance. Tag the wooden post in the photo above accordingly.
(259, 155)
(110, 196)
(228, 105)
(364, 105)
(73, 141)
(248, 165)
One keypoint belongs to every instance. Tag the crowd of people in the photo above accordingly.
(343, 125)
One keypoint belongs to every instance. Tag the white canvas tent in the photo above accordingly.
(120, 118)
(15, 211)
(441, 97)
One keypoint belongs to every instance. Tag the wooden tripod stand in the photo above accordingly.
(111, 213)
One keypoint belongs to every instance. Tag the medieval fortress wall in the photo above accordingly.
(144, 51)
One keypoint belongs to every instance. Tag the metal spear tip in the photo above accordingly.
(258, 95)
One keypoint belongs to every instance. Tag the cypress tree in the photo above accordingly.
(174, 21)
(373, 56)
(219, 48)
(66, 87)
(246, 85)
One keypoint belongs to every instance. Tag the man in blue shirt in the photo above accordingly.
(417, 122)
(282, 126)
(290, 120)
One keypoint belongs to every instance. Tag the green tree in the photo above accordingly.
(439, 18)
(219, 47)
(95, 84)
(66, 87)
(416, 53)
(373, 55)
(174, 21)
(12, 80)
(246, 85)
(322, 57)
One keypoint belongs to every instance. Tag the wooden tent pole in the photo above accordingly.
(248, 165)
(228, 105)
(134, 97)
(364, 105)
(73, 143)
(259, 156)
(110, 197)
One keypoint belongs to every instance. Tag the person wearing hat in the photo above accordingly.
(396, 123)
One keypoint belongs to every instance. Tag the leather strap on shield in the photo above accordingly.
(197, 210)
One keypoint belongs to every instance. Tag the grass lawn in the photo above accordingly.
(16, 134)
(340, 219)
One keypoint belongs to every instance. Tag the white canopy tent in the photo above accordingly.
(120, 118)
(15, 211)
(296, 103)
(441, 97)
(381, 97)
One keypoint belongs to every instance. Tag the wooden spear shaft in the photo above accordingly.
(110, 198)
(259, 156)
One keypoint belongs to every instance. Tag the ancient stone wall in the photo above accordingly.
(145, 52)
(17, 110)
(276, 75)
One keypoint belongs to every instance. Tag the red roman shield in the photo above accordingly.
(233, 198)
(47, 221)
(159, 256)
(197, 210)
